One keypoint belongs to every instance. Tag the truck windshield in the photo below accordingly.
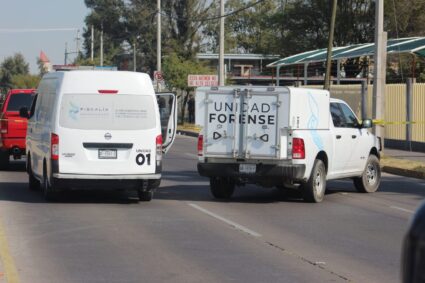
(19, 100)
(107, 112)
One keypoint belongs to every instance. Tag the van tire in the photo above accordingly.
(369, 181)
(145, 195)
(222, 188)
(314, 189)
(33, 183)
(48, 193)
(4, 160)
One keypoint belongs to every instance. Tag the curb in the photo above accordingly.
(386, 169)
(187, 133)
(404, 172)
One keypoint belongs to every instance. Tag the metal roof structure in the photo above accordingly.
(414, 45)
(237, 56)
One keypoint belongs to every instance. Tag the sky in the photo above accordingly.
(21, 22)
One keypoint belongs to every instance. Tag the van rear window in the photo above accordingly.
(107, 112)
(19, 100)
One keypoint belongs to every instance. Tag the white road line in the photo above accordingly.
(402, 209)
(227, 221)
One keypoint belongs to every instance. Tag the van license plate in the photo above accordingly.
(107, 154)
(247, 168)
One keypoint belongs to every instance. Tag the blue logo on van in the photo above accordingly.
(73, 111)
(313, 122)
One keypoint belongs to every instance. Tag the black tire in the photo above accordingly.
(222, 188)
(145, 195)
(4, 160)
(48, 193)
(33, 183)
(154, 184)
(314, 189)
(371, 177)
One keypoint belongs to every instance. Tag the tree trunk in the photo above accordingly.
(185, 95)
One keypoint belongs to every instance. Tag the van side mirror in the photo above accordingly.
(367, 123)
(23, 112)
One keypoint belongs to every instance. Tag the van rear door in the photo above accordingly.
(167, 104)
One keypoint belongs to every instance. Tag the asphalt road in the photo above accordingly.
(184, 235)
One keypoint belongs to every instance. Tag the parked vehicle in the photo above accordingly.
(284, 137)
(97, 130)
(12, 127)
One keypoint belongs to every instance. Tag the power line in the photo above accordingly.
(23, 30)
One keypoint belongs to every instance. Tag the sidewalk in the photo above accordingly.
(393, 161)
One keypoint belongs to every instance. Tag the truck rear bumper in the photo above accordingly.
(291, 172)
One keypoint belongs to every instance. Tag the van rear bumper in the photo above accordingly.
(100, 182)
(290, 171)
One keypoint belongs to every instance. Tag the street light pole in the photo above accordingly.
(101, 46)
(379, 69)
(158, 38)
(221, 46)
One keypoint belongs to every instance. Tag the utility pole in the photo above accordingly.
(92, 43)
(66, 53)
(330, 45)
(221, 78)
(101, 45)
(134, 56)
(158, 37)
(77, 40)
(379, 70)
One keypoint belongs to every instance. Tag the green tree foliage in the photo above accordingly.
(25, 81)
(404, 18)
(176, 71)
(10, 67)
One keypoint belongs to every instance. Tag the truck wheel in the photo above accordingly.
(33, 183)
(154, 184)
(145, 195)
(48, 193)
(371, 177)
(222, 188)
(314, 189)
(4, 160)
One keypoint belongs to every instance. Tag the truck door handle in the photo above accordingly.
(338, 137)
(354, 136)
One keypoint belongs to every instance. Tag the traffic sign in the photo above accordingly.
(202, 80)
(157, 75)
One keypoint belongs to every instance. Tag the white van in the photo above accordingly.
(98, 130)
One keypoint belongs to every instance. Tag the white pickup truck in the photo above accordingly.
(284, 137)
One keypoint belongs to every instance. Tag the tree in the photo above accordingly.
(25, 81)
(176, 71)
(12, 66)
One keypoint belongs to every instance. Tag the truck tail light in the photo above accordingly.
(54, 145)
(200, 145)
(3, 126)
(158, 143)
(298, 148)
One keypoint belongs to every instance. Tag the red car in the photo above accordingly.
(13, 129)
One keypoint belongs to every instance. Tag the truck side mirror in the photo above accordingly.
(413, 257)
(23, 112)
(367, 123)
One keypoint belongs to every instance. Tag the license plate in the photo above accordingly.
(107, 154)
(247, 168)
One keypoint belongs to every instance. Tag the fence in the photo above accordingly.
(404, 119)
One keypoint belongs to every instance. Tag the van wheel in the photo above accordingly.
(33, 183)
(222, 188)
(4, 160)
(145, 195)
(314, 189)
(47, 190)
(371, 177)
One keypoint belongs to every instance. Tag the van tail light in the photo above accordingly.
(3, 126)
(200, 145)
(298, 148)
(158, 147)
(54, 146)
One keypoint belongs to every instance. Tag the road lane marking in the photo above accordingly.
(402, 209)
(227, 221)
(9, 266)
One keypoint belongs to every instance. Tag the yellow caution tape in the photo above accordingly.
(383, 122)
